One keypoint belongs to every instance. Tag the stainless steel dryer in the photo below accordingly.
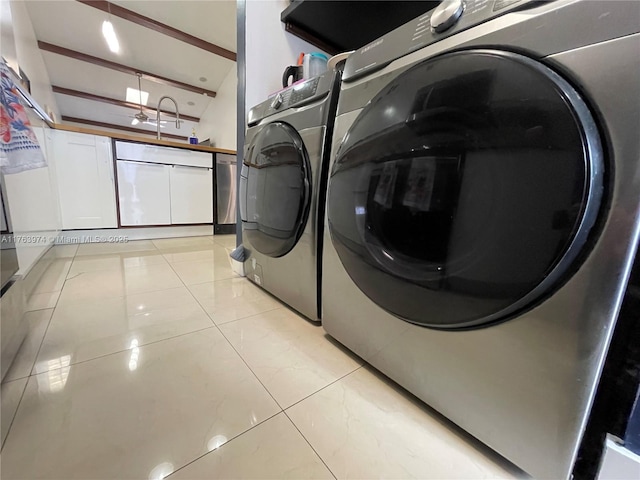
(282, 190)
(483, 213)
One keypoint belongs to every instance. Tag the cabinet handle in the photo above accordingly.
(192, 166)
(158, 147)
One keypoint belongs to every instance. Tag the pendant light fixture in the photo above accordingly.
(139, 117)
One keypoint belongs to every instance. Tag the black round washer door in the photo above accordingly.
(465, 190)
(278, 189)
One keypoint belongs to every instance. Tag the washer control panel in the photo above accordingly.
(448, 18)
(296, 95)
(276, 103)
(445, 15)
(302, 91)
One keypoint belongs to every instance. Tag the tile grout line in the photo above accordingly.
(250, 369)
(283, 306)
(123, 297)
(251, 316)
(28, 377)
(286, 307)
(119, 351)
(210, 281)
(53, 311)
(32, 374)
(239, 356)
(326, 386)
(40, 309)
(256, 377)
(111, 298)
(224, 444)
(72, 258)
(234, 275)
(311, 395)
(188, 287)
(213, 281)
(278, 403)
(35, 358)
(15, 413)
(192, 295)
(214, 324)
(310, 446)
(164, 255)
(230, 344)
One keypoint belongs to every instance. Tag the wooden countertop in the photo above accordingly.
(136, 138)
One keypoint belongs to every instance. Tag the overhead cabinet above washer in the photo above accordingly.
(329, 25)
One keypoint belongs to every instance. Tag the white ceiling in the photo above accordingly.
(210, 20)
(109, 83)
(73, 25)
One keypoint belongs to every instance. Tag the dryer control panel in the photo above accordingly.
(448, 18)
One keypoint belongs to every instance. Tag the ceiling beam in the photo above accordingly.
(119, 103)
(83, 57)
(94, 123)
(154, 25)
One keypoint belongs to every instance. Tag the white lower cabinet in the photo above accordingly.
(191, 195)
(144, 193)
(86, 188)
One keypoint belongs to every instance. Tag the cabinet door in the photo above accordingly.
(191, 195)
(86, 188)
(144, 193)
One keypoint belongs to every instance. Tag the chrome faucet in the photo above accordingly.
(158, 113)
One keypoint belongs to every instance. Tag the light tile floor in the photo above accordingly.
(154, 360)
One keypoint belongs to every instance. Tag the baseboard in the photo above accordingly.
(70, 237)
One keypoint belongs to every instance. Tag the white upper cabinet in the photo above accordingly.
(191, 195)
(86, 188)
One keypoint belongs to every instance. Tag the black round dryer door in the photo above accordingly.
(277, 189)
(466, 188)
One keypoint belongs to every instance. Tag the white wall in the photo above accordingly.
(32, 196)
(269, 49)
(7, 43)
(218, 122)
(29, 56)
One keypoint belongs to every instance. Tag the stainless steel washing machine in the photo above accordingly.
(483, 213)
(283, 187)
